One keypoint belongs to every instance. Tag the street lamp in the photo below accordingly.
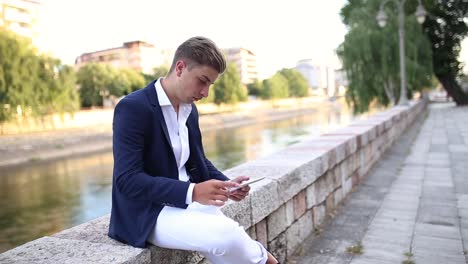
(382, 20)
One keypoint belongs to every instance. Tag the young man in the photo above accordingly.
(165, 191)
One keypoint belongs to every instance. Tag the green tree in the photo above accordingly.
(129, 80)
(96, 81)
(298, 86)
(30, 83)
(228, 88)
(370, 55)
(255, 88)
(275, 87)
(160, 71)
(56, 89)
(446, 27)
(18, 67)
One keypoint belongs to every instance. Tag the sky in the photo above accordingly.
(279, 32)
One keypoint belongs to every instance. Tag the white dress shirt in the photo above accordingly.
(178, 133)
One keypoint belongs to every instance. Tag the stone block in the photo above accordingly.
(348, 186)
(289, 185)
(311, 199)
(264, 199)
(239, 211)
(261, 232)
(319, 214)
(300, 205)
(298, 231)
(338, 196)
(356, 179)
(336, 174)
(58, 250)
(290, 212)
(251, 232)
(330, 203)
(173, 256)
(278, 247)
(277, 222)
(94, 231)
(343, 172)
(320, 190)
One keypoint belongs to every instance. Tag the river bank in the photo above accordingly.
(31, 148)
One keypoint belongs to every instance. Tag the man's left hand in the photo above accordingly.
(239, 194)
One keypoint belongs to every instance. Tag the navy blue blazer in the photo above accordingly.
(145, 170)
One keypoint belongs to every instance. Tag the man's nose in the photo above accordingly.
(205, 91)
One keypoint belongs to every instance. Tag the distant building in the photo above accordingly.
(246, 62)
(319, 77)
(137, 55)
(21, 17)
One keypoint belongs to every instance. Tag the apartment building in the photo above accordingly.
(318, 76)
(246, 62)
(137, 55)
(21, 17)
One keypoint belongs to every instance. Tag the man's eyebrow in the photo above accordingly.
(207, 79)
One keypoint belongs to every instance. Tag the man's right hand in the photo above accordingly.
(212, 192)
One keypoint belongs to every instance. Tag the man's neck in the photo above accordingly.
(167, 87)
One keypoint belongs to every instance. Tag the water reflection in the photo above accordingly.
(46, 198)
(43, 199)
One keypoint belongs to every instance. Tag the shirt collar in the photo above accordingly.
(164, 100)
(162, 96)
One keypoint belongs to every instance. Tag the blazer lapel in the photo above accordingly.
(153, 98)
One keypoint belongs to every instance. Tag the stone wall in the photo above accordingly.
(303, 184)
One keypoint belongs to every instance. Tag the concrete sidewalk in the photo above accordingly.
(411, 208)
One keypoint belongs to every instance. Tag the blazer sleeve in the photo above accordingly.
(131, 126)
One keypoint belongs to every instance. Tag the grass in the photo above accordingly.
(34, 159)
(408, 260)
(355, 249)
(59, 146)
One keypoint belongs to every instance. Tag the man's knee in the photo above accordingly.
(229, 238)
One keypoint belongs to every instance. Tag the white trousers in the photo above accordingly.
(207, 230)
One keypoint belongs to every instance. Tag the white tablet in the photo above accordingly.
(245, 183)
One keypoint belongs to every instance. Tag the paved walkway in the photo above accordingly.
(411, 208)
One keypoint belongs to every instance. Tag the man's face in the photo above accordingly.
(194, 82)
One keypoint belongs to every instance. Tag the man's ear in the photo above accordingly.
(180, 65)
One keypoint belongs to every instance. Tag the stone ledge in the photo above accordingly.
(58, 250)
(304, 182)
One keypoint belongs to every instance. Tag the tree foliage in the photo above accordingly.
(228, 88)
(32, 84)
(255, 88)
(298, 86)
(157, 73)
(276, 87)
(97, 81)
(446, 28)
(370, 55)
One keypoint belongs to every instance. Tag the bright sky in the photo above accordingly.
(279, 32)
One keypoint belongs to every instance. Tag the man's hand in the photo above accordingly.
(239, 194)
(212, 192)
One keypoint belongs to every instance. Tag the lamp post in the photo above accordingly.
(382, 20)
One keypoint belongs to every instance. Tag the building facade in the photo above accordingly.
(319, 77)
(136, 55)
(21, 17)
(246, 62)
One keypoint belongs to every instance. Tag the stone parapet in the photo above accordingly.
(304, 182)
